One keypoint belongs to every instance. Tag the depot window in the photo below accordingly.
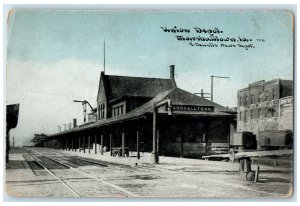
(101, 111)
(118, 110)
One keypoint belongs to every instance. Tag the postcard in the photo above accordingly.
(150, 103)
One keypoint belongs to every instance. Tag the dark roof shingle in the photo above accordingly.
(136, 86)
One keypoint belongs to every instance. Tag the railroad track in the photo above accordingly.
(52, 173)
(112, 167)
(40, 159)
(139, 170)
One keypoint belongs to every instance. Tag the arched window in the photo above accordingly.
(103, 107)
(99, 110)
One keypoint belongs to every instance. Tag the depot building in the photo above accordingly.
(150, 115)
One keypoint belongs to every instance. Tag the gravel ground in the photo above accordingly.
(96, 178)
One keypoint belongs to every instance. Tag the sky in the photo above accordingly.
(54, 57)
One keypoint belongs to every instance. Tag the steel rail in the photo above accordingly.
(91, 177)
(59, 178)
(234, 185)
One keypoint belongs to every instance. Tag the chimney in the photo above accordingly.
(172, 75)
(74, 123)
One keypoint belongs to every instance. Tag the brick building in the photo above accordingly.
(265, 106)
(286, 113)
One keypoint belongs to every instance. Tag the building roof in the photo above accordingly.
(177, 96)
(263, 82)
(181, 97)
(119, 86)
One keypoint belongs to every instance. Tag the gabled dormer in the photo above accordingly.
(118, 95)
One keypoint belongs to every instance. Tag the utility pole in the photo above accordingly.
(202, 94)
(212, 85)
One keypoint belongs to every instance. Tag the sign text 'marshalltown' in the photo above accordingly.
(193, 108)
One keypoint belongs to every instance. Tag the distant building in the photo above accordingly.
(233, 109)
(39, 140)
(264, 106)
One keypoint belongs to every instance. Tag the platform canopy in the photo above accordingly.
(184, 103)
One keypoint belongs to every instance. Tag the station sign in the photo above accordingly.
(192, 108)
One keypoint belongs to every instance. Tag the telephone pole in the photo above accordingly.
(202, 94)
(212, 85)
